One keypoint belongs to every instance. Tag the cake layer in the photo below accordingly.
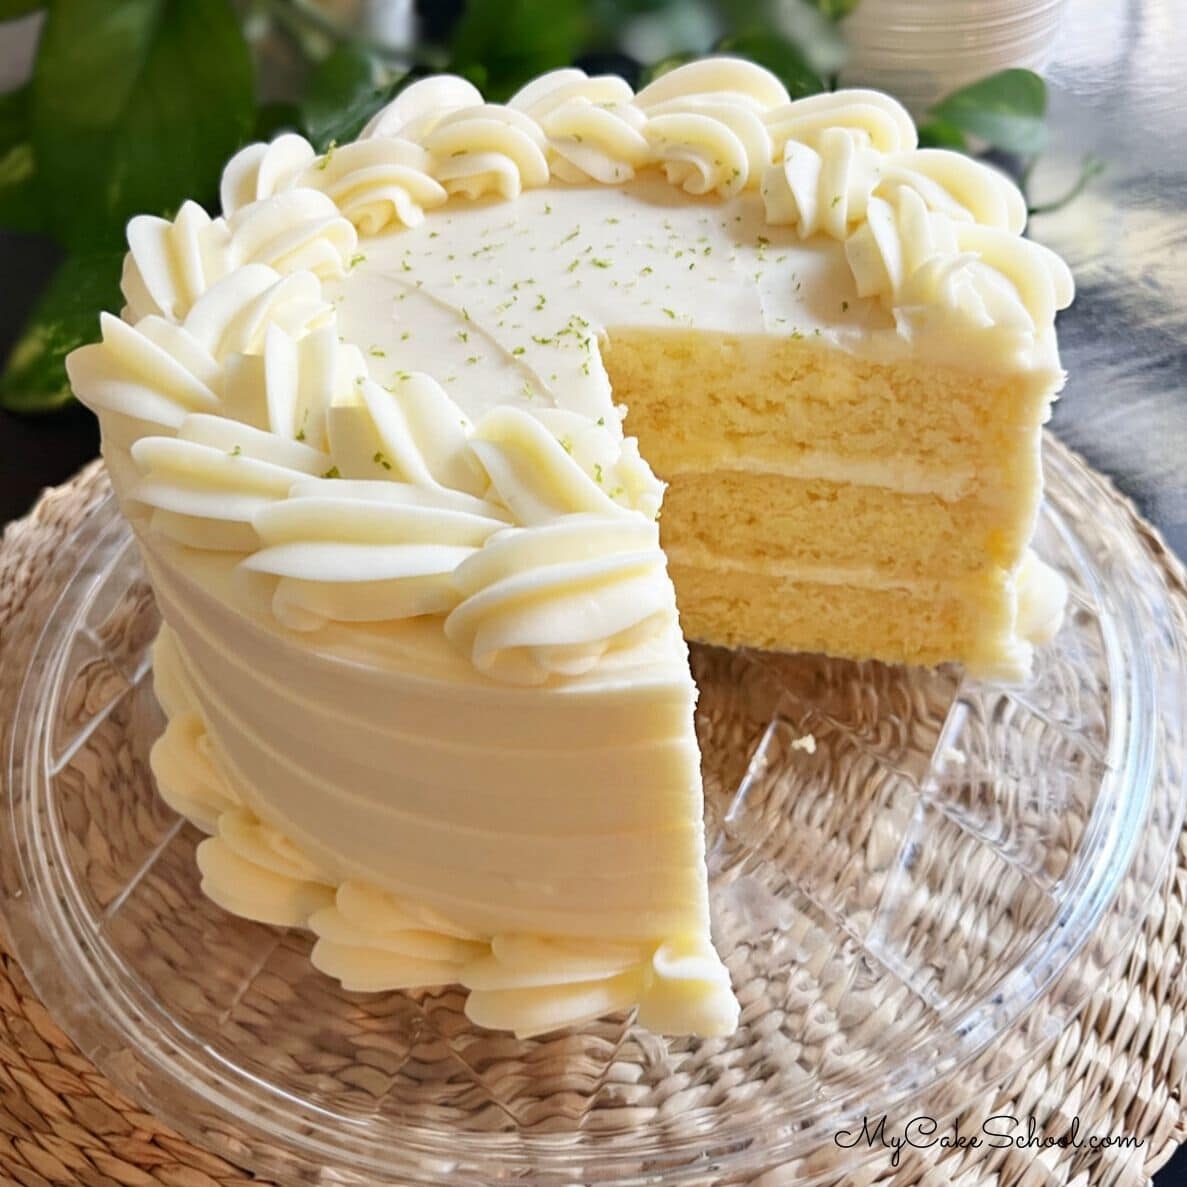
(798, 407)
(920, 625)
(774, 524)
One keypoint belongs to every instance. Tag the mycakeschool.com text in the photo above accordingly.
(994, 1133)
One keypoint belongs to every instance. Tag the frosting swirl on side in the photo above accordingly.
(370, 941)
(420, 104)
(870, 118)
(822, 190)
(916, 260)
(348, 551)
(235, 315)
(206, 485)
(253, 871)
(144, 378)
(733, 78)
(554, 598)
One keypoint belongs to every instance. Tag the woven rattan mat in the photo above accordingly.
(1120, 1067)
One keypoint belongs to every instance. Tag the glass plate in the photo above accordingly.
(926, 887)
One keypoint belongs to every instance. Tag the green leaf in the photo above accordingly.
(940, 134)
(780, 57)
(11, 9)
(66, 316)
(835, 10)
(1007, 110)
(343, 95)
(514, 40)
(20, 206)
(1091, 167)
(136, 106)
(275, 117)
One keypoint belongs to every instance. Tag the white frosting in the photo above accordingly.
(550, 909)
(394, 525)
(554, 598)
(207, 484)
(368, 551)
(377, 182)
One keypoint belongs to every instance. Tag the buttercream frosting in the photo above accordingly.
(361, 424)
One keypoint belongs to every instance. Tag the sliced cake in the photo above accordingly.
(426, 685)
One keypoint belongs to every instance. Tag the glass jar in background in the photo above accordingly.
(919, 50)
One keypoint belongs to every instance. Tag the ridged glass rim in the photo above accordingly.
(1123, 857)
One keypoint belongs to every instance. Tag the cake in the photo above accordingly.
(385, 432)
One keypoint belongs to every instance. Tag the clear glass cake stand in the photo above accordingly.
(908, 910)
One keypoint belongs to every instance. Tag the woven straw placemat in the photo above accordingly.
(1120, 1067)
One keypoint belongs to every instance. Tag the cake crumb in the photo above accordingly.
(807, 744)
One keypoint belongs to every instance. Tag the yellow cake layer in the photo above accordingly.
(696, 398)
(769, 522)
(899, 625)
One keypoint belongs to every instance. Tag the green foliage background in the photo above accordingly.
(135, 105)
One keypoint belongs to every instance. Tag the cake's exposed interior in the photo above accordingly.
(425, 682)
(771, 544)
